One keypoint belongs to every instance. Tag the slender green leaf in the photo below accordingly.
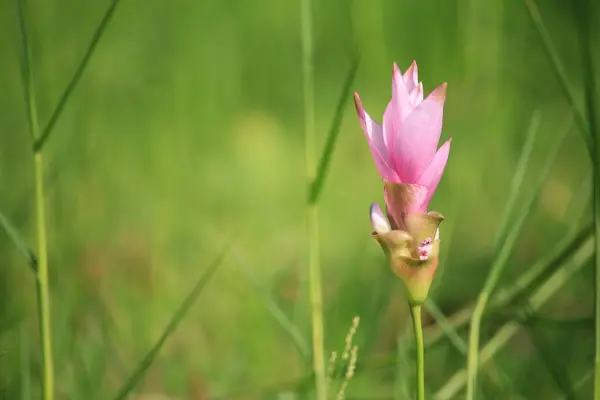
(556, 363)
(570, 322)
(561, 73)
(445, 326)
(179, 315)
(580, 207)
(517, 180)
(19, 242)
(39, 143)
(275, 310)
(317, 185)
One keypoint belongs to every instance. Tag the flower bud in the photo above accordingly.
(413, 251)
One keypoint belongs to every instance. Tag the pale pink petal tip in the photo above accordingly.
(379, 221)
(411, 75)
(357, 103)
(440, 92)
(396, 71)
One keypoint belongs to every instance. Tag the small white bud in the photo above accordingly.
(379, 220)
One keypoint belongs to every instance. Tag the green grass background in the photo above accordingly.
(185, 135)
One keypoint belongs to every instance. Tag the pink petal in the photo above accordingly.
(417, 139)
(432, 175)
(416, 96)
(411, 77)
(374, 134)
(396, 111)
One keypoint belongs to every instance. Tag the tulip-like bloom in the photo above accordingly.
(405, 151)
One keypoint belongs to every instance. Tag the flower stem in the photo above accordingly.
(415, 312)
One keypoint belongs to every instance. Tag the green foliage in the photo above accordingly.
(184, 133)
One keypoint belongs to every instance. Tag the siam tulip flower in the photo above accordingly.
(406, 154)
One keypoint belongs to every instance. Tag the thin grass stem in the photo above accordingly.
(42, 283)
(43, 295)
(314, 267)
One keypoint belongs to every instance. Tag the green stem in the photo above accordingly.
(314, 267)
(473, 355)
(42, 284)
(316, 302)
(43, 297)
(415, 311)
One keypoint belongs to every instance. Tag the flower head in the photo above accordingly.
(405, 146)
(405, 151)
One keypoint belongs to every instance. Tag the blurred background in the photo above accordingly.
(185, 135)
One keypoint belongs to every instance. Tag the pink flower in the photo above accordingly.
(405, 151)
(405, 147)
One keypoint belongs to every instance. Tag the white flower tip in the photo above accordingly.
(379, 220)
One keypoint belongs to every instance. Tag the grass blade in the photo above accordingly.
(526, 282)
(561, 74)
(317, 185)
(508, 330)
(39, 143)
(181, 312)
(19, 242)
(584, 22)
(445, 326)
(517, 180)
(276, 311)
(498, 267)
